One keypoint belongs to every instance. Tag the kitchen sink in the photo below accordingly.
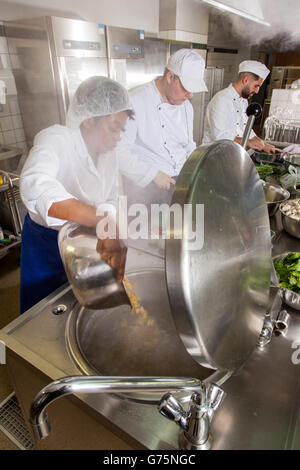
(132, 342)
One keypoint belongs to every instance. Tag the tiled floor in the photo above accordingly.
(9, 310)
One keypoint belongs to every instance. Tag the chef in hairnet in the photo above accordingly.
(68, 174)
(161, 134)
(226, 116)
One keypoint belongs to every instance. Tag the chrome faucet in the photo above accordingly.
(195, 424)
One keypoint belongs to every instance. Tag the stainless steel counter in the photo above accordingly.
(261, 409)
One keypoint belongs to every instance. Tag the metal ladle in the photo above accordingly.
(93, 281)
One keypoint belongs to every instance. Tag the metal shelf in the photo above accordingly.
(10, 188)
(4, 249)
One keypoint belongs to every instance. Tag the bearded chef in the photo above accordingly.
(226, 116)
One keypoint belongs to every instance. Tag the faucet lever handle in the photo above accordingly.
(171, 409)
(214, 396)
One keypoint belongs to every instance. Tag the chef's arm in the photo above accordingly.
(142, 173)
(258, 144)
(74, 211)
(254, 143)
(138, 171)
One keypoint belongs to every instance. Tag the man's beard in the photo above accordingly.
(246, 92)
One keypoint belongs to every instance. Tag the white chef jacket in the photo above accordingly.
(226, 116)
(161, 134)
(59, 167)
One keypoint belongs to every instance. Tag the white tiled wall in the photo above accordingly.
(11, 125)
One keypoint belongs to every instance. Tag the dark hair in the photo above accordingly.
(131, 114)
(249, 74)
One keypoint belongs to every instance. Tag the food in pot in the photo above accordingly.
(135, 301)
(291, 209)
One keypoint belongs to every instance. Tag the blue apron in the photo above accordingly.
(42, 270)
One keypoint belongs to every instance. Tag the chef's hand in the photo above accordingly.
(113, 252)
(163, 181)
(294, 148)
(269, 148)
(256, 144)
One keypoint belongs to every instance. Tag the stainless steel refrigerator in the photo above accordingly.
(134, 59)
(214, 78)
(51, 57)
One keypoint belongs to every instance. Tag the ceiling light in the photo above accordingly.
(223, 7)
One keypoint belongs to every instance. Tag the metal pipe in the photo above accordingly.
(283, 320)
(93, 384)
(16, 216)
(247, 132)
(254, 111)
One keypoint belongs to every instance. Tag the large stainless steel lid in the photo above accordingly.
(219, 292)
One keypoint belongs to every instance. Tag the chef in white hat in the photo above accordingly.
(162, 132)
(226, 116)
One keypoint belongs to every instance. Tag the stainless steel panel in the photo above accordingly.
(156, 53)
(219, 291)
(176, 46)
(136, 73)
(213, 78)
(34, 75)
(74, 70)
(123, 43)
(132, 72)
(78, 38)
(45, 80)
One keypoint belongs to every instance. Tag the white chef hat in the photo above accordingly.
(255, 67)
(189, 66)
(97, 96)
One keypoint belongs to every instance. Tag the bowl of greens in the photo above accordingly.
(271, 172)
(264, 171)
(287, 267)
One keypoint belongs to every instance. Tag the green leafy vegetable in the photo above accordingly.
(288, 272)
(264, 171)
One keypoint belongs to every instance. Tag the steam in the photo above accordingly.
(283, 34)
